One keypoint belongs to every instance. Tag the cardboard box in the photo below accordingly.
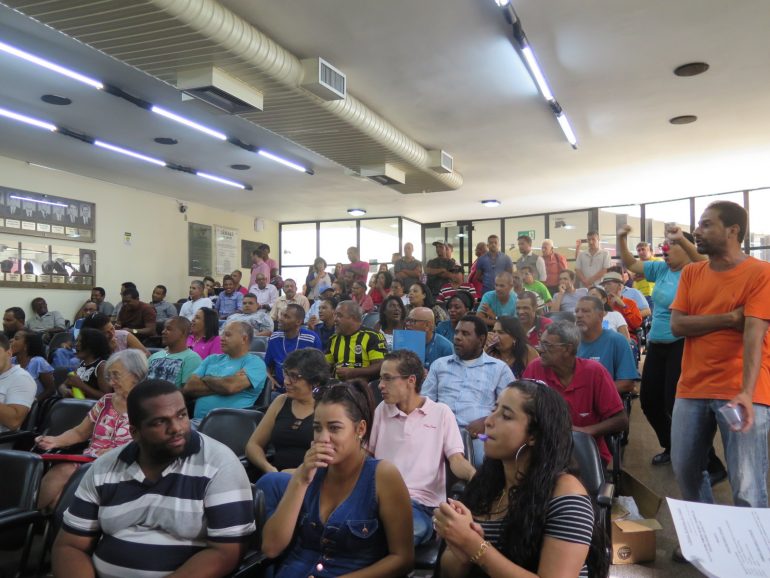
(634, 540)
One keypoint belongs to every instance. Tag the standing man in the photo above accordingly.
(258, 266)
(176, 362)
(722, 308)
(407, 269)
(436, 346)
(136, 316)
(126, 519)
(492, 263)
(591, 265)
(197, 300)
(359, 268)
(438, 269)
(417, 435)
(97, 296)
(163, 309)
(291, 338)
(530, 259)
(554, 265)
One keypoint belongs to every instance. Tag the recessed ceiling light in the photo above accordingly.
(691, 69)
(57, 100)
(683, 119)
(165, 140)
(240, 167)
(491, 203)
(356, 212)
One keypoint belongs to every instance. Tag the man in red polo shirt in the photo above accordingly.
(590, 393)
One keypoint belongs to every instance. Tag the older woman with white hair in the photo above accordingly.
(104, 428)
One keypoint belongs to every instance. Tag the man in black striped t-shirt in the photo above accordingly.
(354, 352)
(172, 501)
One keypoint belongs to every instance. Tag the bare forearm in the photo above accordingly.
(256, 455)
(753, 341)
(683, 325)
(11, 416)
(208, 563)
(69, 561)
(279, 529)
(614, 424)
(628, 259)
(196, 387)
(462, 468)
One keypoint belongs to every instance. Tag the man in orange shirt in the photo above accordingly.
(722, 308)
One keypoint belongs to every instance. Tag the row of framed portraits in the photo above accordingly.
(37, 215)
(45, 266)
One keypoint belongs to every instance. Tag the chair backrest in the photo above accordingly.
(67, 495)
(57, 341)
(232, 427)
(259, 343)
(65, 415)
(370, 320)
(20, 479)
(374, 386)
(266, 396)
(586, 454)
(30, 421)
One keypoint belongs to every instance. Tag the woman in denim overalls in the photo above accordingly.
(342, 511)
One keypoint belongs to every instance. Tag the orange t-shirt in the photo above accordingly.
(712, 365)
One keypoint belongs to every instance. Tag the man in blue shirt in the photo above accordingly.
(436, 346)
(607, 347)
(291, 337)
(232, 379)
(229, 301)
(500, 302)
(492, 263)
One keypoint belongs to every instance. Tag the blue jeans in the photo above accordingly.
(694, 423)
(423, 522)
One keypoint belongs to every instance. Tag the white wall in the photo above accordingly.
(158, 250)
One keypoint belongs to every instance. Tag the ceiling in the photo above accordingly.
(445, 74)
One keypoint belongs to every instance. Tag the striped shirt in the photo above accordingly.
(357, 350)
(569, 517)
(148, 530)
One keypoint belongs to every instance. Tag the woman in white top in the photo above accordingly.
(612, 319)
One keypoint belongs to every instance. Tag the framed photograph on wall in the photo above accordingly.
(39, 215)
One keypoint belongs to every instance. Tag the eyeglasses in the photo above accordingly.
(389, 378)
(412, 321)
(548, 346)
(292, 375)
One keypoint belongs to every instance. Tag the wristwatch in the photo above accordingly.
(133, 331)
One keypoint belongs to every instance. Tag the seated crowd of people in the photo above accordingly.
(516, 356)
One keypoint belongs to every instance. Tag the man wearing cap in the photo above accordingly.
(492, 263)
(438, 268)
(613, 285)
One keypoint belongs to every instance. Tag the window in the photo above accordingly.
(611, 218)
(412, 233)
(565, 230)
(379, 240)
(336, 237)
(759, 224)
(702, 202)
(298, 244)
(659, 215)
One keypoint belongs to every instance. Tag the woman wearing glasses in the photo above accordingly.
(523, 512)
(342, 510)
(104, 428)
(288, 422)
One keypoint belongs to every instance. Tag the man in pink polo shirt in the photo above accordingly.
(588, 389)
(417, 434)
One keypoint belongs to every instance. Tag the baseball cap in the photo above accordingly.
(617, 277)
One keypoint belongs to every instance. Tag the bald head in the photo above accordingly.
(422, 319)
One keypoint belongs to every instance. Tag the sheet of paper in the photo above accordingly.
(723, 541)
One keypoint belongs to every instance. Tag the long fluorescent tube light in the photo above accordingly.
(129, 153)
(220, 180)
(534, 68)
(567, 129)
(188, 122)
(284, 162)
(27, 119)
(7, 48)
(38, 201)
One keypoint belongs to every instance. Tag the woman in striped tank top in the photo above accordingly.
(524, 514)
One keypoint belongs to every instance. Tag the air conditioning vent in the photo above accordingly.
(384, 174)
(323, 80)
(219, 89)
(441, 161)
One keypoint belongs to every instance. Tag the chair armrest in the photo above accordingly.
(604, 497)
(11, 517)
(457, 490)
(17, 436)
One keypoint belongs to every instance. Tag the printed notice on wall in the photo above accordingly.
(723, 540)
(227, 248)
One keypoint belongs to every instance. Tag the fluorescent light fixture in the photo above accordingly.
(491, 203)
(567, 129)
(284, 162)
(129, 153)
(7, 48)
(38, 201)
(27, 119)
(502, 3)
(220, 180)
(534, 68)
(188, 122)
(356, 212)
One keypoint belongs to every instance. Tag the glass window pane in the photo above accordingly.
(482, 230)
(533, 226)
(565, 229)
(702, 202)
(610, 218)
(759, 224)
(763, 254)
(298, 244)
(661, 214)
(299, 274)
(336, 237)
(379, 240)
(412, 233)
